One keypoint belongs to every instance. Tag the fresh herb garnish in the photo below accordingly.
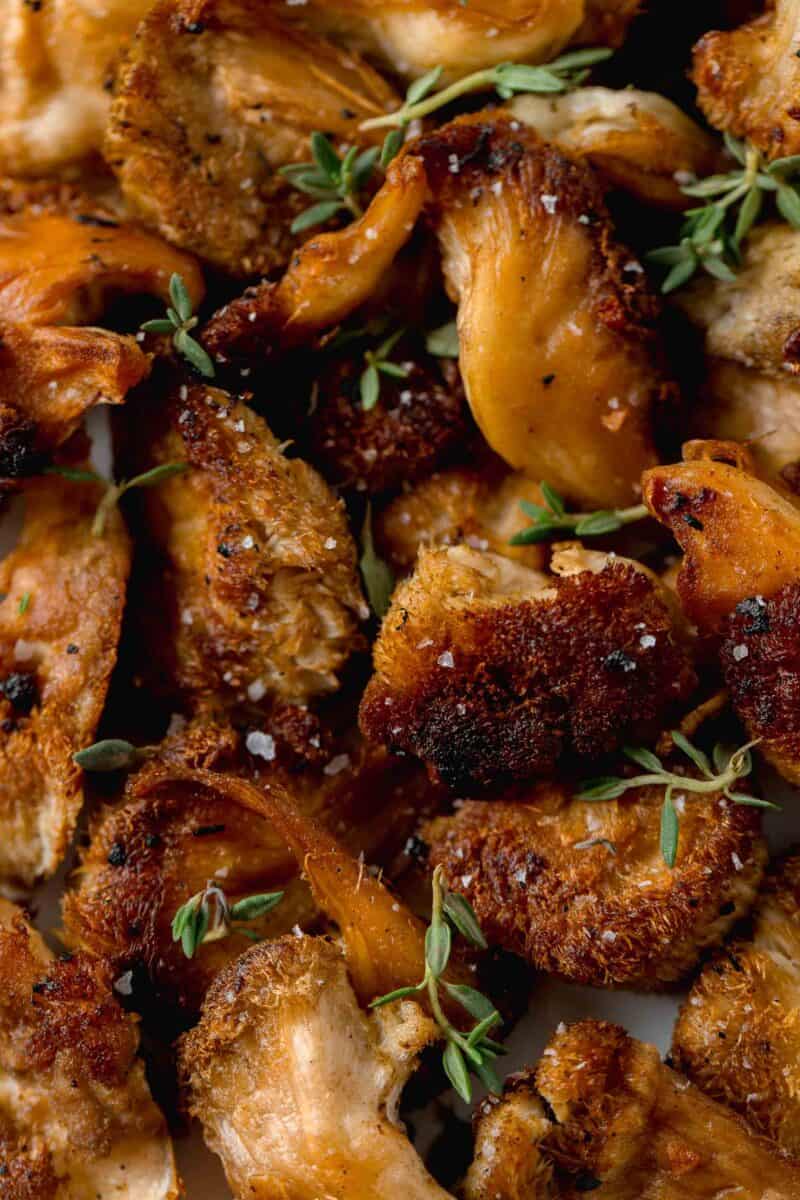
(111, 754)
(24, 602)
(179, 322)
(334, 182)
(114, 491)
(711, 235)
(507, 79)
(443, 342)
(464, 1052)
(730, 765)
(378, 364)
(554, 519)
(377, 575)
(208, 916)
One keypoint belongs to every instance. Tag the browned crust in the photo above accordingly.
(416, 423)
(760, 655)
(738, 1035)
(748, 80)
(531, 681)
(201, 163)
(540, 891)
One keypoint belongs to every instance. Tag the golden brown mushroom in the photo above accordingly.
(62, 262)
(296, 1088)
(76, 1116)
(641, 141)
(581, 889)
(738, 1034)
(171, 835)
(626, 1126)
(56, 65)
(748, 79)
(213, 98)
(490, 671)
(509, 1163)
(252, 559)
(740, 584)
(63, 595)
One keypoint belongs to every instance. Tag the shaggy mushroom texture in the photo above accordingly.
(491, 672)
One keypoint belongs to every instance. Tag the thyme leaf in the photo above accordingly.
(208, 916)
(179, 322)
(553, 520)
(377, 575)
(474, 1050)
(334, 182)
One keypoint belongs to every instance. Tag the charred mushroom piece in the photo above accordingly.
(64, 592)
(148, 855)
(740, 537)
(748, 79)
(641, 141)
(56, 64)
(252, 559)
(629, 1126)
(76, 1116)
(211, 101)
(739, 585)
(738, 1036)
(580, 889)
(419, 418)
(490, 672)
(281, 1041)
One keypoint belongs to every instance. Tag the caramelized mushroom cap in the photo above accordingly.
(581, 889)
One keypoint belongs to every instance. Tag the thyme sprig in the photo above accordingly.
(208, 916)
(463, 1052)
(334, 182)
(552, 519)
(712, 234)
(114, 491)
(507, 79)
(179, 322)
(377, 364)
(729, 766)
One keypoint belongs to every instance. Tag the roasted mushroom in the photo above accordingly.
(751, 336)
(626, 1126)
(489, 671)
(281, 1042)
(528, 247)
(212, 100)
(738, 1034)
(527, 243)
(170, 836)
(61, 265)
(509, 1163)
(410, 39)
(641, 141)
(748, 79)
(56, 64)
(251, 577)
(63, 595)
(580, 889)
(76, 1116)
(478, 505)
